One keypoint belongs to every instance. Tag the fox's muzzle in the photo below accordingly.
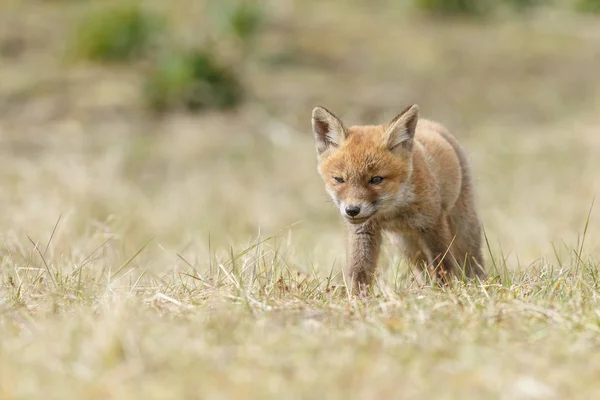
(357, 212)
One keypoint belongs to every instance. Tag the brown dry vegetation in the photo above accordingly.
(197, 255)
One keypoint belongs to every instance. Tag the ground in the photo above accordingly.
(197, 255)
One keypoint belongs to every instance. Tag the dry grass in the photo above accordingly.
(197, 256)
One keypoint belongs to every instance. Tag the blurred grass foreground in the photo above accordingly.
(165, 233)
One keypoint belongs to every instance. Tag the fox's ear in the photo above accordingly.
(401, 131)
(328, 129)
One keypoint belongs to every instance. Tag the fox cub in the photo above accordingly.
(410, 179)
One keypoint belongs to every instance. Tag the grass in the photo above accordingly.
(197, 255)
(250, 325)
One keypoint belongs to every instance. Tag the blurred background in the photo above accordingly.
(187, 122)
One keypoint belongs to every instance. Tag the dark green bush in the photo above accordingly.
(117, 33)
(194, 81)
(245, 20)
(526, 5)
(240, 20)
(470, 8)
(589, 6)
(454, 7)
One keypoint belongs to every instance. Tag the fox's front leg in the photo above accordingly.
(363, 253)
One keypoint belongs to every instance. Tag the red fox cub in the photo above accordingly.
(410, 179)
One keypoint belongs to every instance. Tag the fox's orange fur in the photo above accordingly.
(410, 179)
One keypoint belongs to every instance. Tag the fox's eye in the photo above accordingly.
(376, 180)
(338, 179)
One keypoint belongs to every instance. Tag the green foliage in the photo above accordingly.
(194, 80)
(454, 7)
(589, 6)
(245, 20)
(240, 20)
(524, 5)
(117, 33)
(470, 8)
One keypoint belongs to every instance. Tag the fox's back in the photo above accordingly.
(441, 153)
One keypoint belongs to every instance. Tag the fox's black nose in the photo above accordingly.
(353, 211)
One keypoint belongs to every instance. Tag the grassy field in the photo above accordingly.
(196, 255)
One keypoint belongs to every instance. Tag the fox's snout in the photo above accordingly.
(352, 211)
(356, 211)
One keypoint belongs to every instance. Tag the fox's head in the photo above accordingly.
(366, 169)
